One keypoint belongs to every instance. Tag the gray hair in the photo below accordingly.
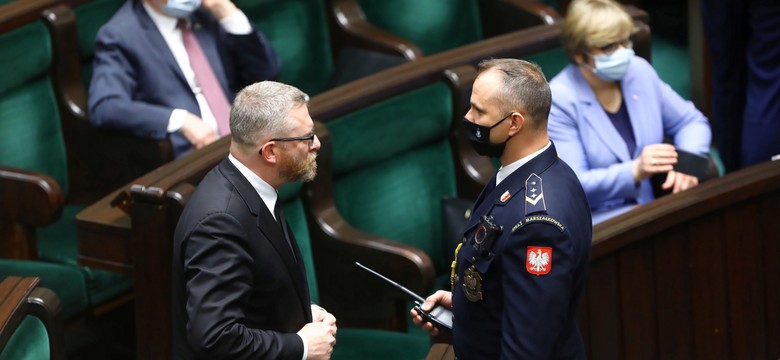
(523, 87)
(261, 110)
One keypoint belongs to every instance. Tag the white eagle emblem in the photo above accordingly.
(539, 260)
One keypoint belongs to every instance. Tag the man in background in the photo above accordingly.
(170, 68)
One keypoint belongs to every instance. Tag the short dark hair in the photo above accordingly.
(523, 88)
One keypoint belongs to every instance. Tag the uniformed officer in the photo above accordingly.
(521, 268)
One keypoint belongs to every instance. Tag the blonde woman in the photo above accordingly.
(611, 112)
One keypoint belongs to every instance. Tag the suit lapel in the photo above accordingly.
(152, 35)
(271, 232)
(595, 115)
(634, 105)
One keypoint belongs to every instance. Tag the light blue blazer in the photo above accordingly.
(590, 144)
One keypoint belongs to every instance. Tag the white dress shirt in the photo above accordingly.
(505, 171)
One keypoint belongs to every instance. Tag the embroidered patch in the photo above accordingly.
(538, 260)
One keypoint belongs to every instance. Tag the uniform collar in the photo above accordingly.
(505, 171)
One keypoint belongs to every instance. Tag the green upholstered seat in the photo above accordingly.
(433, 25)
(30, 341)
(31, 138)
(298, 31)
(351, 344)
(392, 165)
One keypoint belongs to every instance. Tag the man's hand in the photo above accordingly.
(678, 181)
(197, 132)
(441, 297)
(320, 337)
(319, 314)
(655, 159)
(220, 8)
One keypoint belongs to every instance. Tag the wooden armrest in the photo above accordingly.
(350, 27)
(357, 298)
(22, 297)
(29, 198)
(19, 13)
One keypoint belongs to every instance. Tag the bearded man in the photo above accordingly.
(239, 283)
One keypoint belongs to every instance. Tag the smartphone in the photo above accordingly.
(692, 164)
(439, 316)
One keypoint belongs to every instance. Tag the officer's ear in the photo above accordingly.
(516, 123)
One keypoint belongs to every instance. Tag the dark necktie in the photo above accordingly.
(204, 75)
(283, 223)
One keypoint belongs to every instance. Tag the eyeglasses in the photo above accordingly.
(611, 47)
(309, 137)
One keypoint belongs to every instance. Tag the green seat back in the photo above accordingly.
(392, 166)
(352, 343)
(298, 31)
(30, 132)
(31, 138)
(551, 61)
(90, 16)
(433, 25)
(30, 341)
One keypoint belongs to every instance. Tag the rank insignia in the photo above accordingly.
(472, 284)
(505, 196)
(534, 195)
(538, 260)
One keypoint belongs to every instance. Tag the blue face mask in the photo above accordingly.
(180, 8)
(613, 66)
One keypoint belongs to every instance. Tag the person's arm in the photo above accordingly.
(536, 307)
(112, 103)
(601, 184)
(218, 280)
(250, 56)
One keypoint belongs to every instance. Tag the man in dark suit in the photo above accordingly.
(146, 82)
(521, 268)
(239, 285)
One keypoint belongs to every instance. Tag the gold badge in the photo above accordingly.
(472, 284)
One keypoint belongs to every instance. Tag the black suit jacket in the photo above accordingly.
(136, 81)
(238, 292)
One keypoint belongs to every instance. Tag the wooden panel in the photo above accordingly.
(673, 293)
(745, 278)
(708, 288)
(605, 329)
(637, 305)
(583, 319)
(768, 211)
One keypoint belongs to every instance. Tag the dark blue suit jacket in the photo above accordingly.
(237, 291)
(505, 305)
(136, 82)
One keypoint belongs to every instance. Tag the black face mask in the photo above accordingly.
(479, 137)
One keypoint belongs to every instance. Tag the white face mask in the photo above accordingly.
(180, 8)
(613, 66)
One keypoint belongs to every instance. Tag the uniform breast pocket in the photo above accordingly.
(474, 273)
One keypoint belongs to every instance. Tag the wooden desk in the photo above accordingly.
(105, 236)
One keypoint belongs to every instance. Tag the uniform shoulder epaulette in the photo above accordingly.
(535, 206)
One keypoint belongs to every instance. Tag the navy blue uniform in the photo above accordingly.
(516, 298)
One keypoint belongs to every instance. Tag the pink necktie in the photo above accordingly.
(206, 79)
